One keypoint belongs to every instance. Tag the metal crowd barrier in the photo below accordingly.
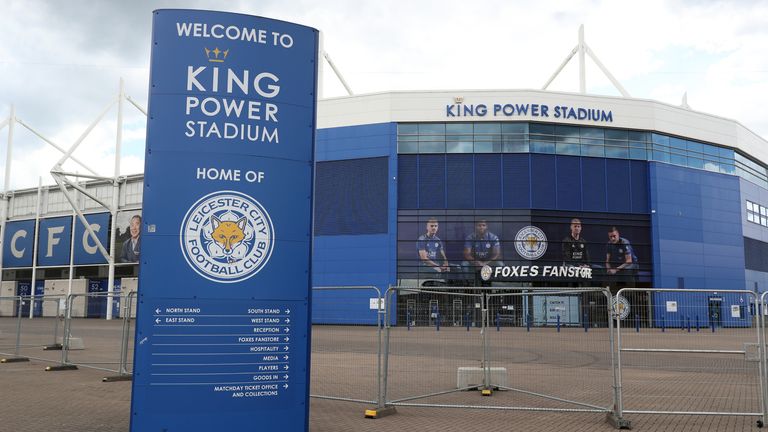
(17, 307)
(762, 309)
(699, 348)
(441, 342)
(414, 367)
(40, 333)
(34, 333)
(100, 357)
(343, 348)
(583, 340)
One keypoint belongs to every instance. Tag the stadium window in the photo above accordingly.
(514, 138)
(22, 205)
(487, 137)
(524, 137)
(458, 138)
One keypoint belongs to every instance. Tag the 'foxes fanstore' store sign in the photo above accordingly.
(223, 317)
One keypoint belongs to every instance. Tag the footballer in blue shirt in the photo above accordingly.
(431, 250)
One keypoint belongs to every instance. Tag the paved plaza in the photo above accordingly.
(546, 367)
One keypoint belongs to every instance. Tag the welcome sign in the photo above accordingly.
(222, 338)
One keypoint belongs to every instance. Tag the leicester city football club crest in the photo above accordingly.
(530, 242)
(227, 236)
(620, 307)
(486, 272)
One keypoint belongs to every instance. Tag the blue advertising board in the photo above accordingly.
(53, 242)
(86, 251)
(19, 237)
(96, 306)
(222, 334)
(24, 288)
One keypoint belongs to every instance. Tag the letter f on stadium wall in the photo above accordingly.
(222, 337)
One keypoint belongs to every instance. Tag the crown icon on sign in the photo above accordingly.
(216, 55)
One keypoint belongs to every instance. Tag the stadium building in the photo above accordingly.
(686, 190)
(463, 188)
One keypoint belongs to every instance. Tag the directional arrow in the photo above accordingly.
(287, 339)
(157, 311)
(286, 367)
(285, 376)
(287, 311)
(157, 321)
(287, 329)
(285, 357)
(285, 348)
(287, 320)
(285, 386)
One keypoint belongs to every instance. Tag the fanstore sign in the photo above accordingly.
(548, 272)
(223, 319)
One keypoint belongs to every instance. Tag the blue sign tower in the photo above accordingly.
(222, 336)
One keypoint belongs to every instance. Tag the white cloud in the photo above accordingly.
(60, 66)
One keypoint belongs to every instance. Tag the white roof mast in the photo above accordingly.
(320, 74)
(582, 48)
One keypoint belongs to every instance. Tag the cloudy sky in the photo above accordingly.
(61, 61)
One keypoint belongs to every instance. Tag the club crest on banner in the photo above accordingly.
(227, 237)
(531, 242)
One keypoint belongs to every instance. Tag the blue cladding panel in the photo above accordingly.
(756, 254)
(517, 180)
(53, 244)
(343, 306)
(619, 190)
(593, 184)
(367, 259)
(568, 183)
(360, 260)
(488, 181)
(543, 190)
(351, 196)
(696, 228)
(639, 179)
(459, 181)
(354, 142)
(432, 181)
(85, 248)
(407, 182)
(19, 236)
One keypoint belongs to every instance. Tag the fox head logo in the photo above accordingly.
(227, 234)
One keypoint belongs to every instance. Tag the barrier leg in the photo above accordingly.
(65, 340)
(381, 409)
(122, 374)
(55, 346)
(616, 416)
(487, 389)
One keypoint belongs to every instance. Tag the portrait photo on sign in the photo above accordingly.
(128, 236)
